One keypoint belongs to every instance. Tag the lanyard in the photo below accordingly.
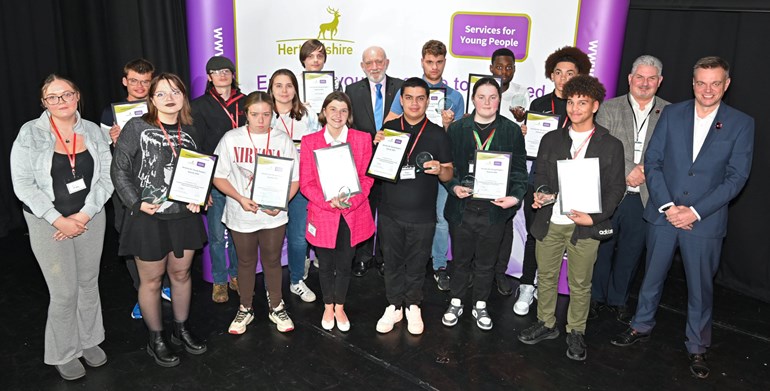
(234, 121)
(487, 142)
(580, 148)
(639, 128)
(267, 146)
(72, 156)
(416, 139)
(168, 139)
(290, 132)
(553, 110)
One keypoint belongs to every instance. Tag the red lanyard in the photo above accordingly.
(553, 110)
(234, 121)
(267, 146)
(72, 156)
(485, 146)
(580, 148)
(168, 139)
(416, 139)
(290, 132)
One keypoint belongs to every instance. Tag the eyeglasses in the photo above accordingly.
(221, 72)
(66, 97)
(133, 82)
(160, 95)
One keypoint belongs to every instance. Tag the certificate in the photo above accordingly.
(316, 87)
(192, 176)
(580, 186)
(272, 181)
(336, 170)
(538, 124)
(122, 112)
(472, 79)
(389, 156)
(436, 104)
(491, 172)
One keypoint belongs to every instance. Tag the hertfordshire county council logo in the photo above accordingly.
(326, 33)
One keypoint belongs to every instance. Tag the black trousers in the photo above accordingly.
(406, 249)
(529, 266)
(366, 250)
(334, 266)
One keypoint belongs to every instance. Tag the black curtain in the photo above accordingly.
(86, 40)
(679, 34)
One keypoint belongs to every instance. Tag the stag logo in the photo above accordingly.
(331, 27)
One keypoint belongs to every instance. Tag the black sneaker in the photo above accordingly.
(503, 284)
(538, 332)
(576, 346)
(442, 279)
(593, 310)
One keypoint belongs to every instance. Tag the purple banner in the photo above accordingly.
(600, 33)
(478, 35)
(210, 32)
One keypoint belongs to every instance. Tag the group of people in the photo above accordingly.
(666, 176)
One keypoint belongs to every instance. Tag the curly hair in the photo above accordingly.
(568, 54)
(585, 85)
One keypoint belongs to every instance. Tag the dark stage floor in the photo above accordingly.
(459, 358)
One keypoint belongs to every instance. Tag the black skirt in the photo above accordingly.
(151, 238)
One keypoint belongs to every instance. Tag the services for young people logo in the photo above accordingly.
(478, 34)
(327, 31)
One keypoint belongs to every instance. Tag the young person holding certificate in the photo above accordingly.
(312, 56)
(257, 232)
(162, 235)
(576, 232)
(335, 225)
(293, 117)
(476, 226)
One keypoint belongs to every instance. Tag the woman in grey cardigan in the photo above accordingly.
(60, 167)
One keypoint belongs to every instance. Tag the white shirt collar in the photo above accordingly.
(343, 138)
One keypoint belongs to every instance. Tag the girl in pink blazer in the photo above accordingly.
(335, 228)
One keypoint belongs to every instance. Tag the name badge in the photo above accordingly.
(311, 228)
(76, 184)
(408, 172)
(471, 166)
(638, 146)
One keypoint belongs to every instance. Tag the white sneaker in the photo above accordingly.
(281, 318)
(526, 295)
(301, 290)
(242, 319)
(414, 320)
(389, 318)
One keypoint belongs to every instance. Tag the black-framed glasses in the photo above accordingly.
(133, 82)
(66, 97)
(160, 95)
(221, 72)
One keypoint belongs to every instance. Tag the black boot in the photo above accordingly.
(158, 349)
(182, 334)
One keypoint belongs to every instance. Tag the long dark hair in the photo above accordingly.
(298, 110)
(185, 115)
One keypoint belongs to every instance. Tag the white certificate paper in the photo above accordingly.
(336, 170)
(580, 185)
(472, 79)
(122, 112)
(272, 181)
(436, 104)
(317, 86)
(538, 124)
(491, 172)
(192, 176)
(389, 156)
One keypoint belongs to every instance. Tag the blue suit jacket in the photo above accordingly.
(712, 180)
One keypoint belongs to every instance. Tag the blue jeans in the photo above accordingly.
(219, 267)
(295, 236)
(441, 237)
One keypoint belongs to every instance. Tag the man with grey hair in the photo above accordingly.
(371, 98)
(631, 118)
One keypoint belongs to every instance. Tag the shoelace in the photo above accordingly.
(241, 315)
(282, 315)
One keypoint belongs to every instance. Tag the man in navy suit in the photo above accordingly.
(698, 160)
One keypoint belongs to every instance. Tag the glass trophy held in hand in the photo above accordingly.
(517, 107)
(343, 196)
(421, 159)
(545, 195)
(468, 181)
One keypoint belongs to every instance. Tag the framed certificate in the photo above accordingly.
(192, 176)
(436, 104)
(580, 186)
(472, 79)
(389, 156)
(316, 86)
(272, 181)
(491, 173)
(124, 111)
(538, 124)
(336, 170)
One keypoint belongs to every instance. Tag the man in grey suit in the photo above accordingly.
(631, 118)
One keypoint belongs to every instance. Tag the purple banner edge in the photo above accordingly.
(600, 33)
(204, 17)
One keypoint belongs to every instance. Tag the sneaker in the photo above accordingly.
(538, 332)
(301, 290)
(136, 313)
(414, 320)
(442, 279)
(481, 315)
(281, 318)
(503, 284)
(389, 319)
(526, 296)
(165, 293)
(452, 313)
(576, 346)
(593, 309)
(219, 293)
(233, 284)
(243, 318)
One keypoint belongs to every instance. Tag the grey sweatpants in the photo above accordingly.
(71, 271)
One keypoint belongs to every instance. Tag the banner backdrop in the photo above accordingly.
(262, 37)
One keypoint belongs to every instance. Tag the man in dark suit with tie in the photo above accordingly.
(698, 160)
(372, 98)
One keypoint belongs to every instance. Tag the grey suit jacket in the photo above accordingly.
(361, 98)
(617, 115)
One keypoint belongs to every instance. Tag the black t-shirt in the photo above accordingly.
(61, 173)
(551, 104)
(414, 200)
